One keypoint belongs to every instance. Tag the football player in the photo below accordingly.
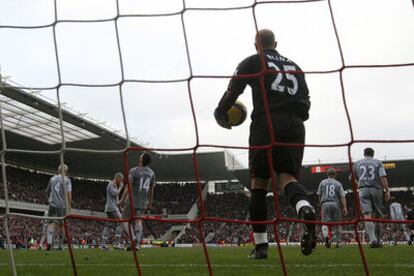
(372, 187)
(282, 95)
(332, 198)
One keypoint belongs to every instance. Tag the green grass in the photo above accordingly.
(389, 260)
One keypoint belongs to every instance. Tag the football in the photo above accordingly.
(237, 114)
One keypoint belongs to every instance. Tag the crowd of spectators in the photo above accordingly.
(30, 187)
(171, 198)
(174, 198)
(235, 206)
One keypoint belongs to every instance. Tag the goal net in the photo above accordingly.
(156, 70)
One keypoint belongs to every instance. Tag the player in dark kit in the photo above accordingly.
(288, 99)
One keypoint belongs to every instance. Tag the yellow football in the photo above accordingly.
(237, 114)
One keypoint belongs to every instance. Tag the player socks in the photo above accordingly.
(325, 231)
(406, 236)
(338, 237)
(50, 232)
(118, 234)
(394, 237)
(370, 227)
(104, 236)
(61, 237)
(296, 195)
(258, 212)
(378, 232)
(138, 233)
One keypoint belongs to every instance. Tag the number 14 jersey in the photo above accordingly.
(141, 180)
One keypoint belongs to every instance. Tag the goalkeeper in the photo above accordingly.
(287, 101)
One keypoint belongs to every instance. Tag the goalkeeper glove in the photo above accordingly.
(221, 118)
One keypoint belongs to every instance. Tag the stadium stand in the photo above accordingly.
(169, 198)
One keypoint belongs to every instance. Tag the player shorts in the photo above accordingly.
(56, 212)
(371, 200)
(330, 212)
(113, 215)
(126, 212)
(398, 226)
(287, 128)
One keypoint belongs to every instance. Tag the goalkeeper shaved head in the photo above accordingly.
(266, 39)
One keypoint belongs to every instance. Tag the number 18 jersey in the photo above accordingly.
(141, 179)
(330, 190)
(368, 172)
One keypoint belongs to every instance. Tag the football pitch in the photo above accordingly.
(389, 260)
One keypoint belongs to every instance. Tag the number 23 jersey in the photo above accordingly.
(368, 172)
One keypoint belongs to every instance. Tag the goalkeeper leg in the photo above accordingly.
(258, 212)
(298, 198)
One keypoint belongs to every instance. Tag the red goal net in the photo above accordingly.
(188, 78)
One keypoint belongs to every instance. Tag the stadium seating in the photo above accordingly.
(172, 198)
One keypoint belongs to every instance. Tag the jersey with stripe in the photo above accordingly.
(368, 172)
(57, 196)
(111, 197)
(142, 178)
(396, 211)
(330, 190)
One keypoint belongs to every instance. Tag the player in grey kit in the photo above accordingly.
(112, 210)
(397, 213)
(142, 180)
(372, 185)
(332, 198)
(60, 187)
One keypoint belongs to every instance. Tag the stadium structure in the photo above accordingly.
(32, 148)
(31, 127)
(32, 132)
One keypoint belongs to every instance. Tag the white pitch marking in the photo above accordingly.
(218, 265)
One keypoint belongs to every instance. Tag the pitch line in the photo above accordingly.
(213, 265)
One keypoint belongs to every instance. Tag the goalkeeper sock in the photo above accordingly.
(258, 212)
(296, 195)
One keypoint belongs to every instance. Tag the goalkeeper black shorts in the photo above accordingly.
(287, 128)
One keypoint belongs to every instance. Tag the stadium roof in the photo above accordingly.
(33, 139)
